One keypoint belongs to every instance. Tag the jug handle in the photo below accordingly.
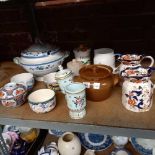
(16, 60)
(151, 58)
(116, 79)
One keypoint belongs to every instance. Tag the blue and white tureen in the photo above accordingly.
(41, 59)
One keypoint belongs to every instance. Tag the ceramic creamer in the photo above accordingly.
(64, 77)
(137, 89)
(82, 54)
(76, 100)
(13, 95)
(132, 60)
(69, 144)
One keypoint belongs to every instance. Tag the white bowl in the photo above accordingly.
(42, 100)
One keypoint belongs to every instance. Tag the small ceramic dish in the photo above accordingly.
(42, 100)
(143, 146)
(120, 151)
(55, 132)
(95, 141)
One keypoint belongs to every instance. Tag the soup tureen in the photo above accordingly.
(40, 59)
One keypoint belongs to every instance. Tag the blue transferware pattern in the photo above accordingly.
(139, 148)
(56, 132)
(95, 141)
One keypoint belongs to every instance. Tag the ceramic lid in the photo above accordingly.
(39, 50)
(11, 90)
(62, 73)
(95, 72)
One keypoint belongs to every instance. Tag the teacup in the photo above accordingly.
(51, 82)
(25, 78)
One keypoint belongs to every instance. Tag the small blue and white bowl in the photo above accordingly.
(95, 141)
(143, 146)
(42, 100)
(120, 151)
(56, 132)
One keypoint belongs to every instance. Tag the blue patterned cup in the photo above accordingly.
(76, 100)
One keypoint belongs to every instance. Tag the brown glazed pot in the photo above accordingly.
(99, 81)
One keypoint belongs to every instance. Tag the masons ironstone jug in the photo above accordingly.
(137, 89)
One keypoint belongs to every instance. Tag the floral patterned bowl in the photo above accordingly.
(12, 94)
(42, 100)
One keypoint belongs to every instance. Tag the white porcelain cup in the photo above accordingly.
(105, 56)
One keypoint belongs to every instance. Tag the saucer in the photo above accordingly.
(143, 146)
(95, 141)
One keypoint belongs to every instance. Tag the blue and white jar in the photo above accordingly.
(76, 100)
(64, 77)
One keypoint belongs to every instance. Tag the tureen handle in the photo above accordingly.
(16, 60)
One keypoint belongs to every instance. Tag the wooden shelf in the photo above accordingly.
(106, 117)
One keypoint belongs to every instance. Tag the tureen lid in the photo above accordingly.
(39, 50)
(62, 73)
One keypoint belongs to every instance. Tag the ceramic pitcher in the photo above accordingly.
(132, 60)
(137, 89)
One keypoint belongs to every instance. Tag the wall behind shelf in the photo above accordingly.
(124, 26)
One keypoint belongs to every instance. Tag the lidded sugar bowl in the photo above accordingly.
(13, 95)
(41, 59)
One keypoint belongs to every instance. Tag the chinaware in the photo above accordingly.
(119, 141)
(82, 54)
(12, 94)
(42, 100)
(137, 89)
(89, 152)
(25, 78)
(94, 141)
(76, 100)
(51, 149)
(40, 59)
(51, 82)
(105, 56)
(143, 146)
(75, 66)
(99, 81)
(132, 60)
(63, 77)
(120, 151)
(69, 144)
(56, 132)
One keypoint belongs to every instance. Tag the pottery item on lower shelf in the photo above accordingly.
(99, 81)
(94, 141)
(75, 66)
(89, 152)
(119, 141)
(56, 132)
(64, 77)
(76, 100)
(13, 95)
(69, 144)
(143, 146)
(25, 78)
(42, 100)
(137, 89)
(50, 149)
(51, 82)
(120, 151)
